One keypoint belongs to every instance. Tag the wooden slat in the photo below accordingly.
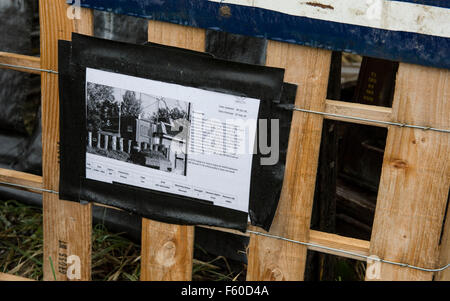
(9, 277)
(167, 250)
(21, 178)
(20, 60)
(339, 242)
(415, 177)
(177, 35)
(358, 110)
(271, 259)
(324, 239)
(444, 251)
(67, 225)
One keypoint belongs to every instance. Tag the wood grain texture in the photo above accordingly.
(67, 232)
(323, 239)
(271, 259)
(415, 177)
(20, 60)
(21, 178)
(339, 242)
(176, 35)
(167, 250)
(67, 225)
(359, 111)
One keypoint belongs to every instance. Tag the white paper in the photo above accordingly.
(187, 141)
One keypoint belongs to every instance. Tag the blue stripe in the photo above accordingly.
(438, 3)
(392, 45)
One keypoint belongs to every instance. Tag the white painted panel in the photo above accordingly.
(381, 14)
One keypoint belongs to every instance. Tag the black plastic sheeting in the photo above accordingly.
(236, 48)
(16, 17)
(120, 27)
(198, 71)
(29, 159)
(22, 153)
(18, 102)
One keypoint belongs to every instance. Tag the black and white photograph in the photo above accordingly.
(139, 132)
(137, 128)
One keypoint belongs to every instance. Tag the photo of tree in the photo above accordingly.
(138, 128)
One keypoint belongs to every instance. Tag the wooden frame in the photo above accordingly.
(412, 195)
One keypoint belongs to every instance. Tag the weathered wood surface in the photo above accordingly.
(21, 178)
(20, 60)
(328, 240)
(357, 110)
(271, 259)
(167, 252)
(67, 225)
(415, 177)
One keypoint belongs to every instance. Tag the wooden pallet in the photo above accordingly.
(412, 196)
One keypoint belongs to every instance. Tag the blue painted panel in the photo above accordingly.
(392, 45)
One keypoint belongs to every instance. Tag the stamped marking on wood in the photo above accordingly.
(62, 257)
(68, 265)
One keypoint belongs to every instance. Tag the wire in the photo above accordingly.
(350, 253)
(28, 68)
(292, 108)
(425, 128)
(28, 187)
(354, 254)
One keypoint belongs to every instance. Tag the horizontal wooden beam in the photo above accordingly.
(20, 178)
(358, 111)
(328, 240)
(20, 60)
(9, 277)
(335, 241)
(316, 237)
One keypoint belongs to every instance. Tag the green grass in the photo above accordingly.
(20, 240)
(114, 257)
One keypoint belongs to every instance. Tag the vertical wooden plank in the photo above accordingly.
(167, 250)
(176, 35)
(271, 259)
(67, 225)
(416, 175)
